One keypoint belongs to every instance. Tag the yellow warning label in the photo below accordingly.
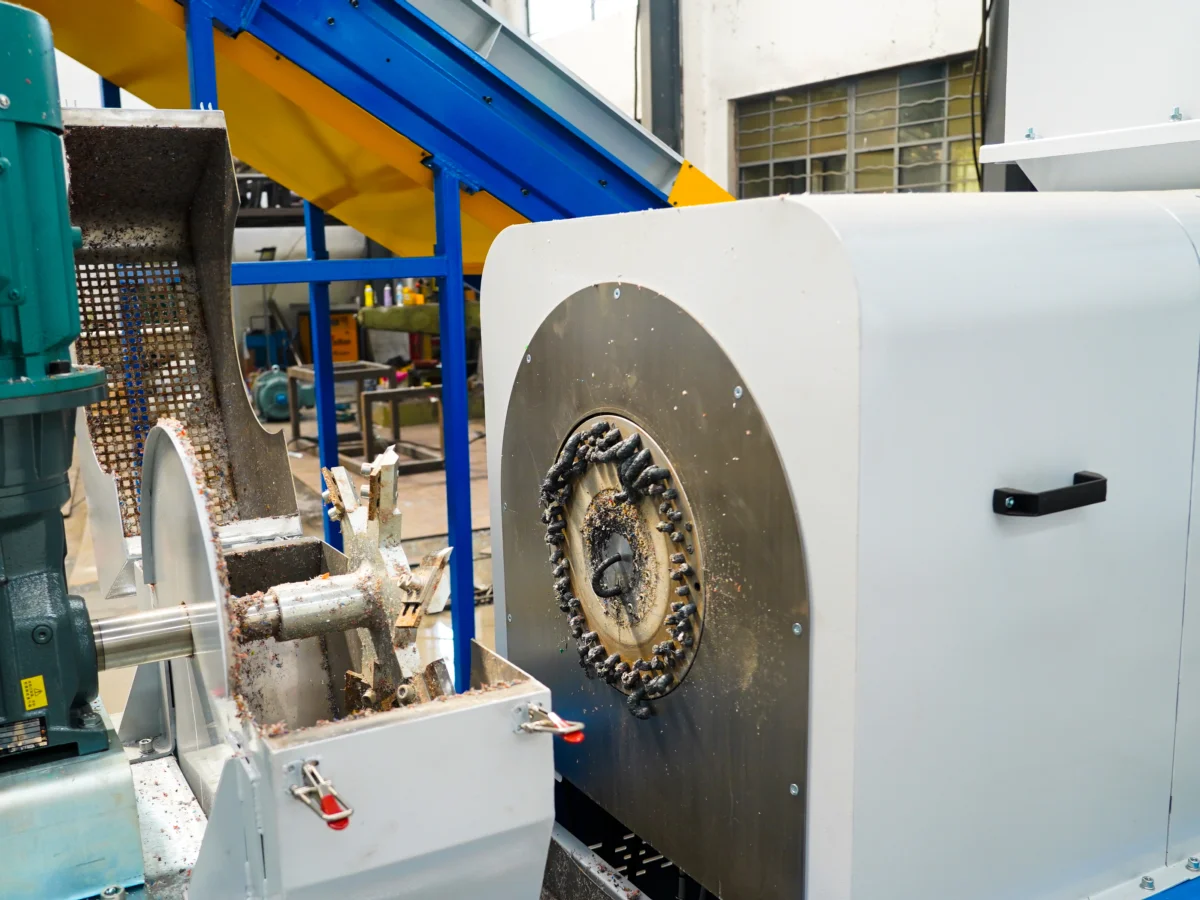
(34, 691)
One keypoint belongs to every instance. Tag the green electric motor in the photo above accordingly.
(270, 391)
(48, 675)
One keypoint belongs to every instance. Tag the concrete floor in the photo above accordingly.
(422, 501)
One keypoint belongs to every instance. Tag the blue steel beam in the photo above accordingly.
(456, 437)
(202, 55)
(322, 359)
(110, 95)
(1188, 890)
(301, 270)
(396, 64)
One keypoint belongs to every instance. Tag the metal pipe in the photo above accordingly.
(148, 636)
(291, 612)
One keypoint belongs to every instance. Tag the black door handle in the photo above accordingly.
(1088, 488)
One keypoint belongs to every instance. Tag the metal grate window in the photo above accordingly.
(143, 322)
(906, 129)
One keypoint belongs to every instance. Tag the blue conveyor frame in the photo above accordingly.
(484, 130)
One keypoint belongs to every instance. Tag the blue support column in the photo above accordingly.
(453, 328)
(202, 55)
(110, 94)
(322, 360)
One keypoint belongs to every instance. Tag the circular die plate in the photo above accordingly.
(661, 549)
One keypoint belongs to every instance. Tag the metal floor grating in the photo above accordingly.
(650, 872)
(143, 322)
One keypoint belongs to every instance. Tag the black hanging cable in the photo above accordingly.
(637, 35)
(979, 77)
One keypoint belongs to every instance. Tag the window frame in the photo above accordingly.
(751, 106)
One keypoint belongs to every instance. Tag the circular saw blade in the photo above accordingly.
(181, 552)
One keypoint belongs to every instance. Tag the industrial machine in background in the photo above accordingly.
(269, 388)
(279, 691)
(883, 587)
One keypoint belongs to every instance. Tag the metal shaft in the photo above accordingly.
(148, 636)
(287, 612)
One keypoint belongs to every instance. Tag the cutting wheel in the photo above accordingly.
(626, 557)
(181, 553)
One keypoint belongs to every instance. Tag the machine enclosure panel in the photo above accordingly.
(1185, 781)
(1003, 660)
(982, 686)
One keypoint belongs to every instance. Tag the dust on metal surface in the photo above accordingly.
(141, 310)
(172, 827)
(640, 630)
(713, 754)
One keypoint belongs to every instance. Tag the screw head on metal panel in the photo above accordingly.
(113, 892)
(509, 617)
(528, 357)
(91, 717)
(794, 790)
(797, 629)
(146, 746)
(1193, 864)
(42, 634)
(1030, 135)
(4, 101)
(14, 294)
(1009, 502)
(1147, 883)
(329, 21)
(616, 293)
(737, 392)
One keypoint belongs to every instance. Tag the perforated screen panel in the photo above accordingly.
(143, 322)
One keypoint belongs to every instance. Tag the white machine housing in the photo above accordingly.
(1099, 97)
(993, 711)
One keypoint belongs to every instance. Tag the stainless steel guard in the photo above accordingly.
(708, 780)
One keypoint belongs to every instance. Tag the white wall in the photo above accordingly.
(512, 12)
(601, 53)
(739, 48)
(80, 86)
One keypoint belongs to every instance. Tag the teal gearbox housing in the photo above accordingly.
(48, 671)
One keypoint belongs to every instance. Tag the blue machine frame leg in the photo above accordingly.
(322, 360)
(110, 94)
(202, 54)
(453, 328)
